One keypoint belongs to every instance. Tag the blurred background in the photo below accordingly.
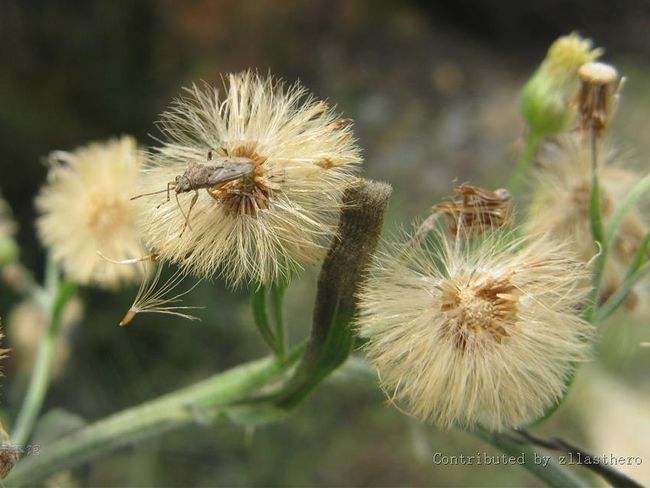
(433, 88)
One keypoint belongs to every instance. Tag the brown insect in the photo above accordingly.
(210, 176)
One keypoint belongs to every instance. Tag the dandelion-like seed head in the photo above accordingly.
(258, 169)
(85, 210)
(469, 330)
(560, 202)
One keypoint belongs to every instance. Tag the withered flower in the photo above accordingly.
(599, 87)
(476, 209)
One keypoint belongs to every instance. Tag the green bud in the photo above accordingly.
(8, 251)
(543, 106)
(545, 97)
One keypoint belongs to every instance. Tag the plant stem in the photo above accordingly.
(596, 223)
(552, 473)
(523, 163)
(277, 298)
(261, 319)
(611, 475)
(198, 403)
(59, 293)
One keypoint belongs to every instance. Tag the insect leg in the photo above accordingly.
(189, 212)
(170, 185)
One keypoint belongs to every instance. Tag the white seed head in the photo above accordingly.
(260, 226)
(560, 202)
(468, 331)
(85, 210)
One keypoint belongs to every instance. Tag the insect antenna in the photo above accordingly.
(147, 194)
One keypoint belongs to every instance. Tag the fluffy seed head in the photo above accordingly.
(85, 210)
(291, 156)
(560, 203)
(475, 331)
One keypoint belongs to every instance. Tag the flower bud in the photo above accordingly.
(545, 95)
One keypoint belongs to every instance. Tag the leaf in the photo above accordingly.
(635, 272)
(343, 271)
(630, 199)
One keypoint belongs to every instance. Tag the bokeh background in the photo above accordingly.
(433, 88)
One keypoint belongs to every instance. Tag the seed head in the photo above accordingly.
(476, 331)
(260, 226)
(560, 203)
(85, 209)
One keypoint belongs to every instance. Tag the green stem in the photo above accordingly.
(524, 161)
(59, 294)
(277, 298)
(194, 404)
(261, 319)
(596, 223)
(552, 473)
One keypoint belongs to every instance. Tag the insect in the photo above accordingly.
(210, 176)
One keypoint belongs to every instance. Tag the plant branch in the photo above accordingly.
(261, 319)
(277, 299)
(59, 293)
(612, 476)
(523, 163)
(194, 404)
(552, 473)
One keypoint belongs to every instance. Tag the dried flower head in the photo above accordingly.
(599, 89)
(476, 330)
(560, 203)
(273, 162)
(546, 95)
(476, 209)
(85, 209)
